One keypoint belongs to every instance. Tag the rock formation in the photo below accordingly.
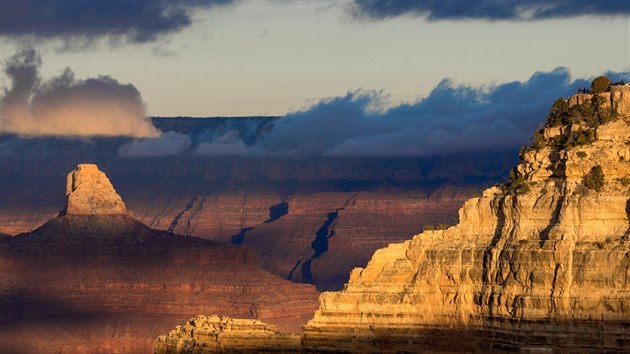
(377, 201)
(89, 192)
(206, 334)
(541, 263)
(108, 283)
(324, 235)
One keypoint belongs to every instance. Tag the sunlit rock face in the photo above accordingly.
(89, 192)
(539, 264)
(212, 334)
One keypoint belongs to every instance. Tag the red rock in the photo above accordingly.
(107, 282)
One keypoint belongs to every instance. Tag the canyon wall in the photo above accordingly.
(105, 282)
(299, 215)
(540, 264)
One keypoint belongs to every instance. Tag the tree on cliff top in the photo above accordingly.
(600, 84)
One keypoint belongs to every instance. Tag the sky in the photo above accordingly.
(355, 77)
(273, 57)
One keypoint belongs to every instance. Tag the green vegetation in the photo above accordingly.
(578, 137)
(594, 179)
(589, 112)
(438, 227)
(517, 184)
(588, 116)
(558, 111)
(600, 84)
(581, 154)
(625, 181)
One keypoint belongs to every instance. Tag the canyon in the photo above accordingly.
(299, 215)
(95, 279)
(539, 264)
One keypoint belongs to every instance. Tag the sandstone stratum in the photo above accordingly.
(105, 282)
(89, 191)
(540, 264)
(219, 334)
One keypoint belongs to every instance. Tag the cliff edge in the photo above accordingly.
(540, 263)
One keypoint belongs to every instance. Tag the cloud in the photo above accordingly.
(135, 21)
(451, 119)
(229, 143)
(512, 10)
(167, 144)
(66, 106)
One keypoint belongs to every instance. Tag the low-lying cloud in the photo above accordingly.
(167, 144)
(511, 10)
(65, 106)
(229, 143)
(135, 21)
(452, 118)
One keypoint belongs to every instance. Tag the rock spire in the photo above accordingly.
(89, 192)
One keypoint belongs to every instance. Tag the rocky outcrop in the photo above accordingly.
(540, 264)
(89, 192)
(108, 283)
(205, 334)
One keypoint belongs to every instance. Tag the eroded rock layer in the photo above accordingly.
(282, 208)
(324, 235)
(108, 283)
(541, 263)
(206, 334)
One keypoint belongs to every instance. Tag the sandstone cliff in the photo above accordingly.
(541, 263)
(105, 282)
(89, 191)
(206, 334)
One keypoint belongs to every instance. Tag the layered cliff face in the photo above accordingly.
(105, 282)
(241, 199)
(211, 334)
(323, 236)
(541, 263)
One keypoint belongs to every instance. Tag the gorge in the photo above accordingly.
(537, 264)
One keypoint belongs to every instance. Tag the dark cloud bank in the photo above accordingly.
(139, 21)
(451, 119)
(134, 21)
(514, 10)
